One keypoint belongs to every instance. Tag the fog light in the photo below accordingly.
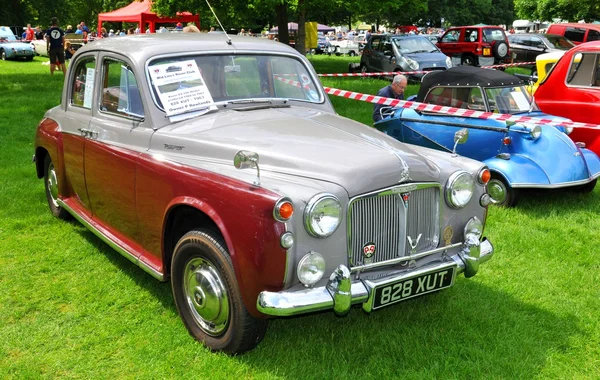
(287, 240)
(311, 268)
(485, 200)
(474, 228)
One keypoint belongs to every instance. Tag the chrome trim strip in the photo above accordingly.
(159, 276)
(557, 185)
(403, 259)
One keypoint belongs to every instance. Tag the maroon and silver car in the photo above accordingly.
(220, 165)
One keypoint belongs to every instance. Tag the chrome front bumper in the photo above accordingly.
(341, 292)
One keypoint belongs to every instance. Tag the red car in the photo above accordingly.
(572, 90)
(475, 45)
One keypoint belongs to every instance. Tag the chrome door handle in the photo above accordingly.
(88, 133)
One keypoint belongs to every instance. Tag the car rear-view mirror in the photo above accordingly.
(245, 159)
(460, 137)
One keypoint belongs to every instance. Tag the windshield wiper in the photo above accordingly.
(259, 100)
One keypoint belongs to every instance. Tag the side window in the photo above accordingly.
(597, 73)
(120, 91)
(582, 70)
(386, 46)
(475, 101)
(82, 83)
(593, 35)
(375, 43)
(537, 42)
(470, 35)
(451, 36)
(575, 34)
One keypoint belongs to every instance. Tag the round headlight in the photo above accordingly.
(448, 62)
(322, 215)
(459, 189)
(474, 227)
(535, 132)
(311, 268)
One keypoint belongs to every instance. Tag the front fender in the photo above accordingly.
(518, 170)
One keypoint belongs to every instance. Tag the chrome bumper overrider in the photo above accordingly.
(341, 293)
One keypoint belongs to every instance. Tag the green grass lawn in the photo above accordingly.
(72, 307)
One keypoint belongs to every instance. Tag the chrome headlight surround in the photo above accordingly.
(474, 227)
(448, 62)
(322, 215)
(311, 268)
(459, 189)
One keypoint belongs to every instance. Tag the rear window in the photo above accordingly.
(583, 70)
(575, 34)
(490, 35)
(593, 35)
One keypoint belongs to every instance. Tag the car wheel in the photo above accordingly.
(468, 60)
(3, 55)
(352, 53)
(500, 50)
(51, 186)
(29, 58)
(363, 68)
(534, 72)
(587, 188)
(337, 51)
(500, 192)
(208, 297)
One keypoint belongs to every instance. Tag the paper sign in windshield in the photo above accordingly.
(180, 87)
(522, 102)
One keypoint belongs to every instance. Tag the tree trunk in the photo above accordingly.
(301, 38)
(282, 22)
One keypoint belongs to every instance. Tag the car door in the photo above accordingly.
(375, 56)
(119, 134)
(449, 42)
(75, 129)
(537, 47)
(388, 58)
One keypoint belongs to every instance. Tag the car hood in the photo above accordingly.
(301, 142)
(427, 57)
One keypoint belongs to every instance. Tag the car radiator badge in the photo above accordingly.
(369, 252)
(448, 232)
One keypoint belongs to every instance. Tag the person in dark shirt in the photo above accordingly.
(39, 33)
(394, 91)
(55, 38)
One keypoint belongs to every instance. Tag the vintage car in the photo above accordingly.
(219, 164)
(518, 155)
(11, 47)
(572, 90)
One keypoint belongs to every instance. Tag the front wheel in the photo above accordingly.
(500, 192)
(352, 53)
(3, 55)
(51, 186)
(468, 60)
(208, 297)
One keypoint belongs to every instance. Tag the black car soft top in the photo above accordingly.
(466, 76)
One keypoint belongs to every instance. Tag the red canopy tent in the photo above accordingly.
(140, 12)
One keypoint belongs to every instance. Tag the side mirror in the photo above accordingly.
(245, 159)
(460, 137)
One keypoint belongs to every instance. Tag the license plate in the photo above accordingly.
(408, 288)
(487, 51)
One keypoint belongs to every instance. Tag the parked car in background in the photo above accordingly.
(572, 89)
(526, 47)
(204, 165)
(13, 48)
(518, 155)
(576, 32)
(475, 45)
(346, 46)
(543, 64)
(388, 52)
(323, 46)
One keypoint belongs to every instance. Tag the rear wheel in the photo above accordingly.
(208, 297)
(3, 55)
(468, 60)
(500, 192)
(500, 50)
(51, 186)
(587, 188)
(352, 53)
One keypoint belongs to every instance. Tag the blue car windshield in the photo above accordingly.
(510, 100)
(415, 45)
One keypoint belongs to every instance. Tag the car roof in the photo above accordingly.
(141, 47)
(466, 76)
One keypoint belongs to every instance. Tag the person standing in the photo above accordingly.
(394, 91)
(55, 39)
(29, 33)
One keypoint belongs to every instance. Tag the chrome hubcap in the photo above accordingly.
(52, 185)
(206, 296)
(497, 191)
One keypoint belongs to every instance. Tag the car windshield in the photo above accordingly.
(192, 83)
(510, 100)
(560, 42)
(414, 45)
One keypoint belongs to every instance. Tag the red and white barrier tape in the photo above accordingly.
(461, 112)
(424, 107)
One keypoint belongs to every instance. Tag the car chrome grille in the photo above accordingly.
(386, 219)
